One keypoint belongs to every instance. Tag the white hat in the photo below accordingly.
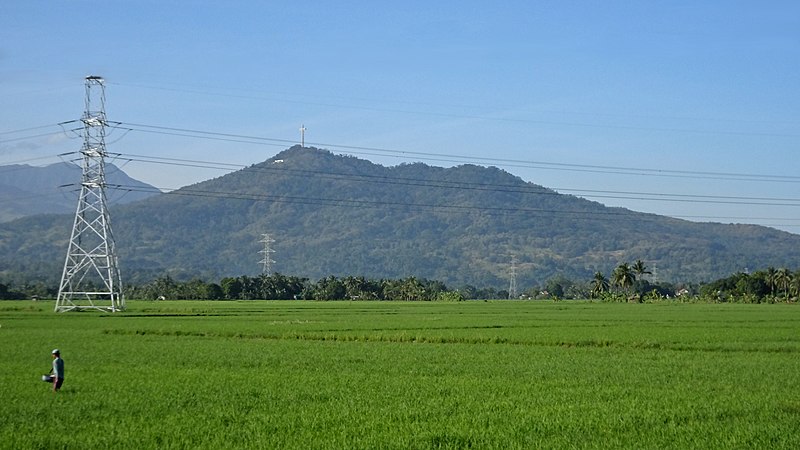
(56, 352)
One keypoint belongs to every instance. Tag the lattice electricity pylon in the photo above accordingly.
(91, 278)
(267, 260)
(512, 285)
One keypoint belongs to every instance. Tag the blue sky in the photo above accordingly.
(560, 93)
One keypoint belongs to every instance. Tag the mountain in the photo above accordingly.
(340, 215)
(29, 190)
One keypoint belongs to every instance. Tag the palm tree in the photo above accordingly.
(783, 279)
(354, 286)
(795, 285)
(771, 281)
(623, 276)
(640, 269)
(411, 289)
(600, 285)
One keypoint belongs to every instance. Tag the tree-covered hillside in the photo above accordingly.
(344, 216)
(28, 190)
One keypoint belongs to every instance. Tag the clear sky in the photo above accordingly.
(700, 98)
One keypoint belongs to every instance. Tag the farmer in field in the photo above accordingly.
(57, 370)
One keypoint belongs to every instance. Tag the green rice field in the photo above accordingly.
(396, 375)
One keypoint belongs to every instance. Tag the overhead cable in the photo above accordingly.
(202, 134)
(505, 188)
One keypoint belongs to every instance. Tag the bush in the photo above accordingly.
(449, 296)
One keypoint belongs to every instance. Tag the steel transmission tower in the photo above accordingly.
(267, 260)
(512, 285)
(91, 278)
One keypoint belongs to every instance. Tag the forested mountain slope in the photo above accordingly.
(28, 190)
(337, 215)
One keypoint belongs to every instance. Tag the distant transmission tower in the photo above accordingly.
(267, 260)
(91, 279)
(303, 135)
(512, 285)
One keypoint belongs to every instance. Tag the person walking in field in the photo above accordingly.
(57, 370)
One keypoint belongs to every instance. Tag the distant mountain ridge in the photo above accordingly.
(28, 190)
(341, 215)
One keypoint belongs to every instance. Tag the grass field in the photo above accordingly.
(403, 375)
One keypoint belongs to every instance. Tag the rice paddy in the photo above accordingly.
(504, 374)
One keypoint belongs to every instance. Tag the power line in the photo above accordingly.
(623, 195)
(322, 201)
(490, 118)
(35, 136)
(192, 192)
(734, 176)
(351, 203)
(225, 137)
(417, 182)
(425, 183)
(6, 165)
(505, 188)
(24, 130)
(560, 166)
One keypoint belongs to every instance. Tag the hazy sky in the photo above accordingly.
(700, 99)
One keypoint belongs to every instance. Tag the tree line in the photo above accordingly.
(765, 286)
(627, 283)
(282, 287)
